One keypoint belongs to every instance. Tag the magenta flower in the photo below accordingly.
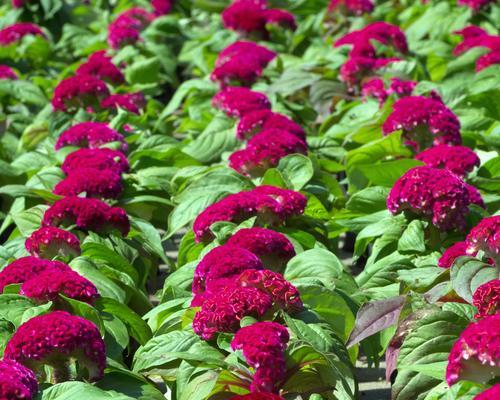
(261, 54)
(104, 184)
(485, 237)
(264, 396)
(376, 88)
(17, 3)
(47, 286)
(223, 309)
(49, 242)
(162, 7)
(475, 355)
(435, 194)
(126, 28)
(131, 102)
(425, 123)
(26, 268)
(272, 248)
(351, 7)
(90, 134)
(54, 338)
(282, 18)
(493, 393)
(356, 68)
(16, 381)
(222, 265)
(255, 122)
(238, 101)
(80, 91)
(473, 37)
(487, 60)
(240, 70)
(475, 5)
(449, 256)
(87, 215)
(263, 345)
(14, 33)
(7, 73)
(99, 65)
(458, 159)
(293, 203)
(102, 159)
(120, 36)
(486, 299)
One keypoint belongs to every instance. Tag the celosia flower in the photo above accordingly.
(292, 203)
(356, 68)
(486, 298)
(273, 248)
(266, 396)
(245, 16)
(126, 28)
(263, 345)
(222, 265)
(100, 66)
(16, 381)
(49, 242)
(120, 36)
(131, 102)
(223, 309)
(449, 256)
(47, 286)
(475, 196)
(238, 101)
(283, 293)
(260, 54)
(254, 122)
(17, 3)
(26, 268)
(104, 184)
(474, 36)
(493, 393)
(458, 159)
(162, 7)
(401, 88)
(487, 60)
(14, 33)
(435, 194)
(475, 355)
(7, 73)
(375, 88)
(475, 5)
(242, 69)
(87, 215)
(90, 134)
(283, 18)
(79, 91)
(485, 236)
(425, 122)
(53, 338)
(101, 159)
(354, 7)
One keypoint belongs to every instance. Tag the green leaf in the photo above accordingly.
(79, 391)
(144, 71)
(296, 169)
(13, 307)
(29, 220)
(467, 274)
(413, 238)
(368, 200)
(388, 172)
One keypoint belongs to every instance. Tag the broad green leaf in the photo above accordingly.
(79, 391)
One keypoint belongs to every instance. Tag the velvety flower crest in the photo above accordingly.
(16, 381)
(7, 72)
(105, 184)
(90, 135)
(131, 102)
(485, 236)
(100, 66)
(351, 7)
(238, 101)
(257, 121)
(14, 33)
(458, 159)
(486, 298)
(79, 91)
(101, 159)
(49, 242)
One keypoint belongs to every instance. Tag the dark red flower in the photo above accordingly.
(475, 5)
(7, 73)
(458, 159)
(245, 16)
(474, 36)
(255, 122)
(485, 236)
(49, 242)
(90, 134)
(260, 53)
(354, 7)
(162, 7)
(13, 33)
(449, 256)
(104, 184)
(292, 202)
(79, 91)
(16, 381)
(100, 66)
(102, 159)
(131, 102)
(493, 393)
(486, 298)
(356, 68)
(487, 60)
(266, 396)
(283, 18)
(238, 101)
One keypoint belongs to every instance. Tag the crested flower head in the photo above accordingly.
(449, 256)
(375, 88)
(223, 309)
(245, 16)
(493, 393)
(105, 184)
(475, 355)
(14, 33)
(425, 122)
(473, 37)
(283, 18)
(458, 159)
(49, 242)
(273, 248)
(162, 7)
(485, 236)
(103, 159)
(90, 135)
(292, 202)
(267, 396)
(262, 55)
(401, 87)
(356, 68)
(131, 102)
(263, 345)
(26, 268)
(475, 196)
(120, 36)
(351, 7)
(100, 66)
(486, 298)
(254, 122)
(7, 72)
(79, 91)
(241, 70)
(16, 381)
(126, 28)
(87, 215)
(238, 101)
(475, 5)
(47, 286)
(487, 60)
(50, 338)
(435, 194)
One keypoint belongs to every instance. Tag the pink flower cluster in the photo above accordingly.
(476, 354)
(7, 72)
(238, 101)
(131, 102)
(449, 256)
(90, 135)
(50, 338)
(458, 159)
(14, 33)
(265, 150)
(271, 205)
(493, 393)
(102, 159)
(351, 7)
(425, 122)
(126, 28)
(376, 88)
(104, 184)
(255, 122)
(99, 65)
(16, 381)
(88, 215)
(263, 345)
(475, 5)
(486, 298)
(473, 37)
(435, 194)
(262, 396)
(162, 7)
(250, 17)
(241, 63)
(79, 91)
(485, 237)
(49, 242)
